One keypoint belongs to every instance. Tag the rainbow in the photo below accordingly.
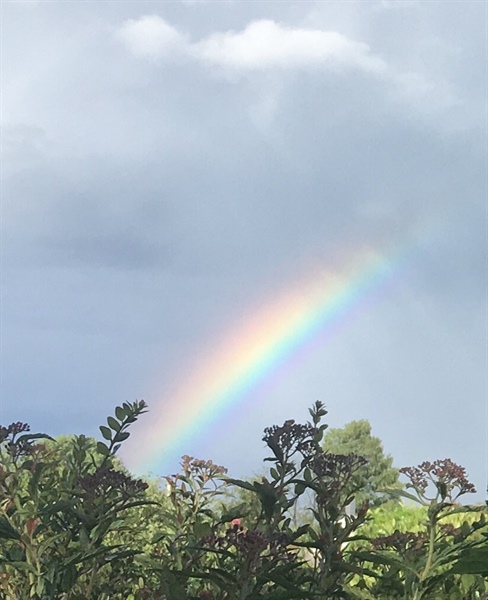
(251, 353)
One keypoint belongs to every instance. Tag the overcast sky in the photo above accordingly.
(171, 167)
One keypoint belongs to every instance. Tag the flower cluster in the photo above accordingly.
(401, 541)
(338, 466)
(448, 477)
(105, 480)
(335, 472)
(417, 477)
(450, 529)
(15, 447)
(204, 470)
(199, 471)
(289, 437)
(251, 545)
(12, 430)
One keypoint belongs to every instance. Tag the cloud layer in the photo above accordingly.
(171, 168)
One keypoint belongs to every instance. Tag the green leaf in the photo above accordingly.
(236, 512)
(468, 580)
(121, 436)
(60, 506)
(317, 438)
(113, 424)
(396, 493)
(442, 488)
(242, 484)
(107, 434)
(137, 503)
(465, 528)
(474, 561)
(274, 474)
(22, 566)
(157, 537)
(201, 529)
(285, 583)
(359, 593)
(34, 436)
(40, 587)
(34, 482)
(120, 413)
(7, 532)
(300, 531)
(378, 559)
(102, 449)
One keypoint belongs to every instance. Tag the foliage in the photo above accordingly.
(56, 517)
(378, 474)
(422, 563)
(300, 466)
(75, 524)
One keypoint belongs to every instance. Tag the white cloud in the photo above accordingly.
(151, 37)
(265, 44)
(262, 45)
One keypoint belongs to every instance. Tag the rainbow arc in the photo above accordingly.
(250, 353)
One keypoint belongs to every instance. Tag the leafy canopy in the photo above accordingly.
(374, 477)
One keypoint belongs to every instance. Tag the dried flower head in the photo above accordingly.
(338, 466)
(204, 470)
(14, 447)
(401, 541)
(12, 430)
(252, 546)
(106, 480)
(450, 529)
(289, 437)
(449, 479)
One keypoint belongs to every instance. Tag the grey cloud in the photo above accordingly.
(95, 217)
(107, 251)
(22, 144)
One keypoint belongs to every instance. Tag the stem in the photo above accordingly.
(91, 582)
(430, 555)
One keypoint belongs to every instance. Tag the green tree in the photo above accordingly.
(374, 477)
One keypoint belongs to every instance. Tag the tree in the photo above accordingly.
(378, 474)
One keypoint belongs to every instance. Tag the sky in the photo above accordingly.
(182, 181)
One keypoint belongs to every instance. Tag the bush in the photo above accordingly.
(75, 524)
